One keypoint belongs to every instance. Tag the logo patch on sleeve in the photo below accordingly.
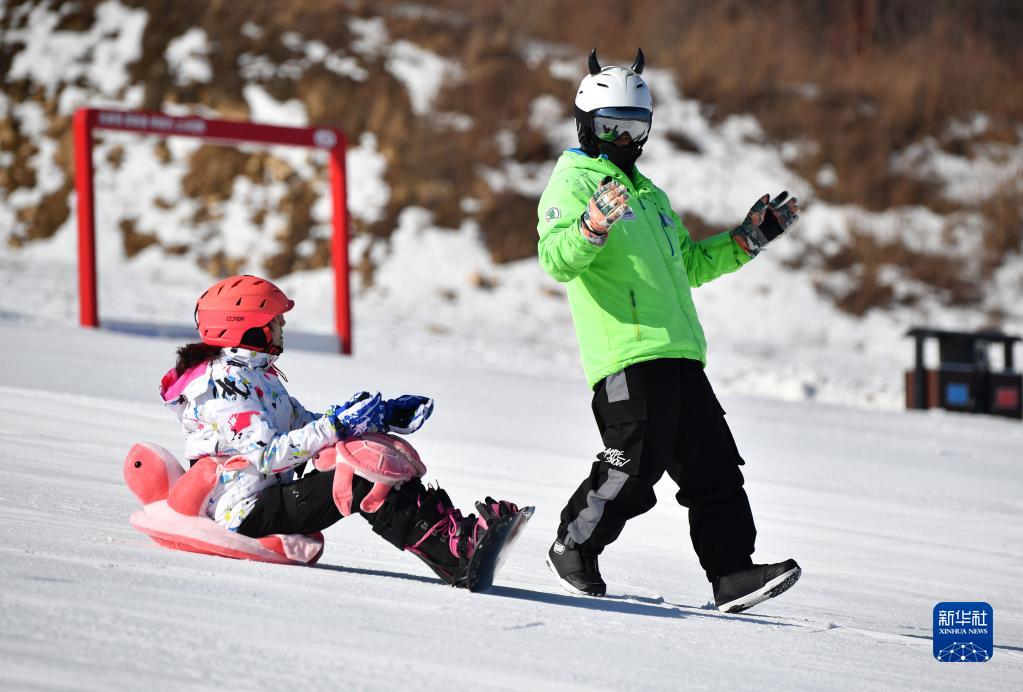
(552, 214)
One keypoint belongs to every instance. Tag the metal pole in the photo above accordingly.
(88, 309)
(339, 247)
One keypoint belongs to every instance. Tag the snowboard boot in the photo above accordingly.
(424, 522)
(445, 540)
(577, 571)
(442, 537)
(739, 591)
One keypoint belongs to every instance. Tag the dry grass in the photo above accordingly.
(133, 240)
(854, 277)
(504, 230)
(698, 227)
(1003, 233)
(859, 257)
(886, 74)
(211, 172)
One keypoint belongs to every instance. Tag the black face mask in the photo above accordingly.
(624, 157)
(259, 339)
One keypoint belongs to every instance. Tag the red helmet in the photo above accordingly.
(231, 307)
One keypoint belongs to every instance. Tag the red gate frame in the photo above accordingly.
(328, 139)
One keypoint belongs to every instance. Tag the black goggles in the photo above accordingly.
(611, 123)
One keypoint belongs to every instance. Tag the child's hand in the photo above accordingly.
(363, 413)
(407, 413)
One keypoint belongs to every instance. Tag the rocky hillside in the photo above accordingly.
(901, 120)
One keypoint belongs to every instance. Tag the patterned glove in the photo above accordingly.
(779, 216)
(407, 413)
(765, 222)
(363, 413)
(609, 203)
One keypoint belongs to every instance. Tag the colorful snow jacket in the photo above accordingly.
(630, 298)
(235, 406)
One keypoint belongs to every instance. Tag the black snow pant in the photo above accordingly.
(307, 506)
(656, 416)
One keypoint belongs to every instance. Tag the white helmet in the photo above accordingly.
(614, 87)
(612, 102)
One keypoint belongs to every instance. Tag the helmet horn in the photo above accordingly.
(639, 63)
(594, 64)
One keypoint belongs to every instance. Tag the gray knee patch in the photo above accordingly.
(582, 527)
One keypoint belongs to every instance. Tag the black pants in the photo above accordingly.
(305, 506)
(656, 416)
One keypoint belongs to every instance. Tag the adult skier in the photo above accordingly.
(228, 395)
(629, 263)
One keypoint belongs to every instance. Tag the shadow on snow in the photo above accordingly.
(627, 605)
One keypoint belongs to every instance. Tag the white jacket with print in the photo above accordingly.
(236, 406)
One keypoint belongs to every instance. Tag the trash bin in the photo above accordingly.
(964, 380)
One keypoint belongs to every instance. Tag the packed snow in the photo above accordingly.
(888, 514)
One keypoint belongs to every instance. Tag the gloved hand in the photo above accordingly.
(779, 216)
(609, 203)
(407, 413)
(363, 413)
(765, 222)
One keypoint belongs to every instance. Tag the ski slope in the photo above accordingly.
(887, 512)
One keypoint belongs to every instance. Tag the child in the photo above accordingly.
(232, 404)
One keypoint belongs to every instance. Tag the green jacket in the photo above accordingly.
(631, 298)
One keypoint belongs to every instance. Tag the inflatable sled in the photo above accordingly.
(174, 500)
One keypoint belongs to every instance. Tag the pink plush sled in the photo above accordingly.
(173, 514)
(174, 499)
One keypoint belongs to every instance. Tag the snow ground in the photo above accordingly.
(888, 513)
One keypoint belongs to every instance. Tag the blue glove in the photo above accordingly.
(407, 413)
(363, 413)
